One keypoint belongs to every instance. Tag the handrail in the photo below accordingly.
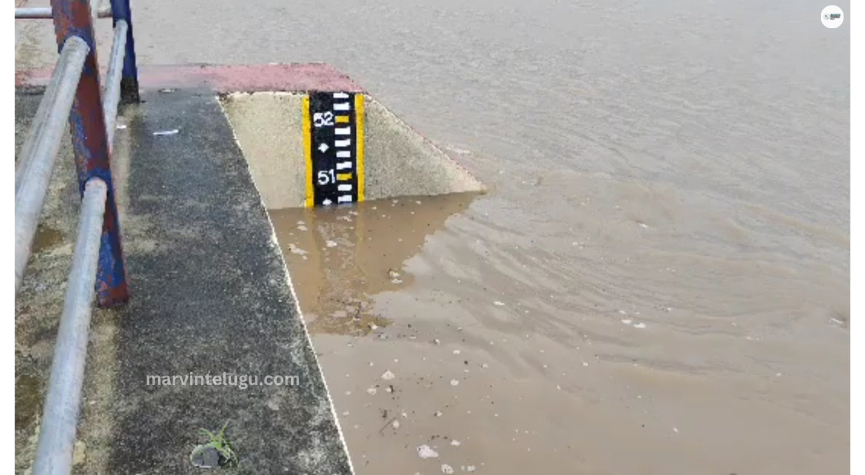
(73, 97)
(111, 97)
(44, 13)
(37, 166)
(60, 419)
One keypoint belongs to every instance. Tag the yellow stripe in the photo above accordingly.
(307, 153)
(343, 176)
(359, 119)
(342, 119)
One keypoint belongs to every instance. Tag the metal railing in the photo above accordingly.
(73, 97)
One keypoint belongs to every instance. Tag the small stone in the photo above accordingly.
(204, 456)
(79, 453)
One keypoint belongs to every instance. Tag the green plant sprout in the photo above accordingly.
(218, 441)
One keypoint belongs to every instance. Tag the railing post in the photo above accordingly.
(90, 143)
(129, 82)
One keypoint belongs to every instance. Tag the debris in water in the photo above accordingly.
(395, 424)
(454, 382)
(499, 304)
(447, 468)
(166, 132)
(585, 364)
(626, 321)
(387, 376)
(456, 352)
(330, 243)
(121, 126)
(675, 430)
(438, 414)
(425, 452)
(301, 227)
(640, 325)
(372, 390)
(455, 443)
(471, 468)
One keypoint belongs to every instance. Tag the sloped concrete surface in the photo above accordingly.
(398, 161)
(210, 296)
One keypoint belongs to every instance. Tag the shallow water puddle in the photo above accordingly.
(339, 257)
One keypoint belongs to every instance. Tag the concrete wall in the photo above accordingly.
(398, 161)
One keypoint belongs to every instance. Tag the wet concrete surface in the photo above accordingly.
(667, 230)
(210, 297)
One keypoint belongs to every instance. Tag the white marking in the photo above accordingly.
(342, 131)
(323, 147)
(343, 187)
(343, 143)
(344, 199)
(327, 202)
(342, 106)
(340, 95)
(343, 154)
(343, 165)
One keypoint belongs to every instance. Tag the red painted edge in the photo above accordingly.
(227, 78)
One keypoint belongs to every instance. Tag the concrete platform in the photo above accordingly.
(399, 161)
(210, 295)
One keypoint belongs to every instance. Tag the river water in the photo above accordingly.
(657, 281)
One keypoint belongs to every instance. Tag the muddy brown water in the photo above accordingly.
(667, 230)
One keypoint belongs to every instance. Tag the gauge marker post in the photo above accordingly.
(333, 143)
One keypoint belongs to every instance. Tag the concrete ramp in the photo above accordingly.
(398, 161)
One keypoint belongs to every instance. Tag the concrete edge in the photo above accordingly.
(275, 241)
(481, 187)
(294, 77)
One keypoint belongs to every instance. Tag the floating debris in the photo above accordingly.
(372, 390)
(454, 382)
(456, 352)
(447, 468)
(455, 443)
(640, 325)
(395, 424)
(330, 243)
(499, 304)
(425, 452)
